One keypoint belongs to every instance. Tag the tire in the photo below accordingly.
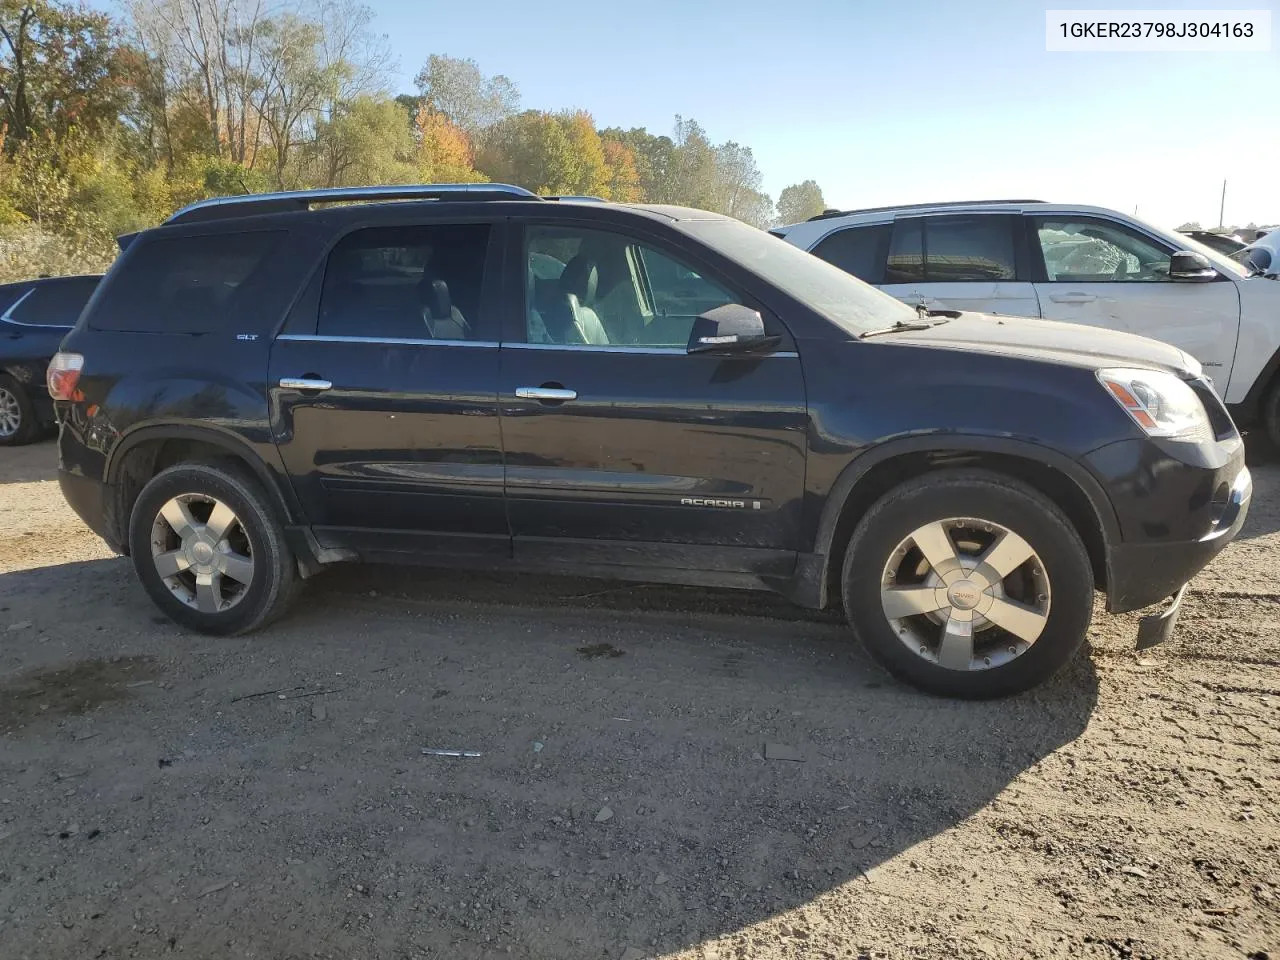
(213, 547)
(18, 421)
(1271, 415)
(886, 571)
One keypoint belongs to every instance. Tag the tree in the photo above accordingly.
(800, 201)
(444, 150)
(623, 175)
(589, 173)
(61, 67)
(365, 141)
(1190, 225)
(468, 98)
(653, 157)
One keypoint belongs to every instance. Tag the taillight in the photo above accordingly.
(64, 375)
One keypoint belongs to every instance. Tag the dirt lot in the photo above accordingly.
(268, 796)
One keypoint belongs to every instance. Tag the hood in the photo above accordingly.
(1070, 343)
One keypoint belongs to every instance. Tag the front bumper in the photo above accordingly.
(1143, 573)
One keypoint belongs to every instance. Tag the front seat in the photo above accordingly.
(578, 286)
(443, 320)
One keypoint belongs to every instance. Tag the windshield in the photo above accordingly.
(843, 299)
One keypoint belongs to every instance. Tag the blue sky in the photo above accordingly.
(897, 102)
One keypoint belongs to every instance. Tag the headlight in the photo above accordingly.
(1160, 403)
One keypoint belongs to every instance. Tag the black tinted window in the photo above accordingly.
(406, 283)
(56, 304)
(969, 248)
(906, 253)
(10, 293)
(857, 250)
(189, 284)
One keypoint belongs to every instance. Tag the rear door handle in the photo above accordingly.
(546, 393)
(1072, 297)
(303, 383)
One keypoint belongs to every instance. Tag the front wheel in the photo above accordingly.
(968, 584)
(209, 550)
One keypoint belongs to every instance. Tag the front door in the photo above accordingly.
(1107, 274)
(971, 261)
(621, 448)
(384, 393)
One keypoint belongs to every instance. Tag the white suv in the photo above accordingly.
(1080, 264)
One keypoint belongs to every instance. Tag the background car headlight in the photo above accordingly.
(1160, 403)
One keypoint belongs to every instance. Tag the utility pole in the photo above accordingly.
(1223, 206)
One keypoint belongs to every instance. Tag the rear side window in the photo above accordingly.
(193, 284)
(857, 250)
(422, 282)
(905, 263)
(56, 304)
(969, 248)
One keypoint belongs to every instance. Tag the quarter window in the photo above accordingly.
(595, 288)
(422, 282)
(1095, 251)
(192, 284)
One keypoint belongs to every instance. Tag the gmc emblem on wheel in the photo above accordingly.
(711, 502)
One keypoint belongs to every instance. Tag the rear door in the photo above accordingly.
(621, 448)
(1104, 273)
(970, 261)
(384, 392)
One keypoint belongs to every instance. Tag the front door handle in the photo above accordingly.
(303, 383)
(555, 394)
(1072, 297)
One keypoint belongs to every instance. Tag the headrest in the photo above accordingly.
(433, 293)
(580, 278)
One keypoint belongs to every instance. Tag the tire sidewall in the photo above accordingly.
(1009, 504)
(260, 527)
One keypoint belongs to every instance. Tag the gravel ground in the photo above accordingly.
(162, 792)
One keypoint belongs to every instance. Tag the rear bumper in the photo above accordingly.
(1141, 574)
(88, 498)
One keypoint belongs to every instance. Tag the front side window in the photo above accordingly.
(56, 304)
(1095, 251)
(906, 253)
(420, 282)
(597, 288)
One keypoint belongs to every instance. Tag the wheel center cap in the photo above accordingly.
(964, 595)
(201, 552)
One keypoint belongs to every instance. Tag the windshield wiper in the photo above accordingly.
(924, 323)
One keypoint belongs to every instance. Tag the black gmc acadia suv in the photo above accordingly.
(476, 376)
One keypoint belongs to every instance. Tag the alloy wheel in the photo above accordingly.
(10, 413)
(965, 593)
(202, 553)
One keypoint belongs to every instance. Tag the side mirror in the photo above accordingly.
(731, 328)
(1192, 266)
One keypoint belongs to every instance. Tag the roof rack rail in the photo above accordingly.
(578, 197)
(252, 204)
(828, 214)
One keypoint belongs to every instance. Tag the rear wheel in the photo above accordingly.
(209, 550)
(1271, 415)
(968, 584)
(18, 423)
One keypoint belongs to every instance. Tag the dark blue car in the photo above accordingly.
(34, 317)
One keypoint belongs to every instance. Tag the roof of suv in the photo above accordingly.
(299, 201)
